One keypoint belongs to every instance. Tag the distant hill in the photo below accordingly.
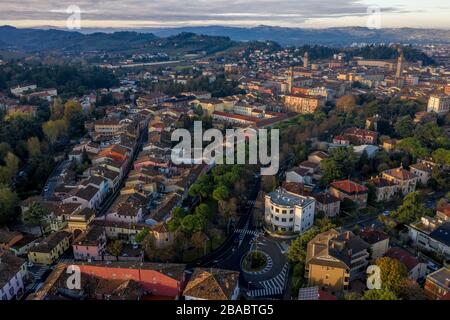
(299, 36)
(48, 40)
(32, 40)
(207, 39)
(329, 36)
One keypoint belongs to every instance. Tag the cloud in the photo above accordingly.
(179, 12)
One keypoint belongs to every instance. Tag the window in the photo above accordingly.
(284, 211)
(291, 219)
(283, 219)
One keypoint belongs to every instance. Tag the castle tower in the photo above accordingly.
(305, 60)
(400, 60)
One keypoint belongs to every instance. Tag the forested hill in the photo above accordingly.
(33, 40)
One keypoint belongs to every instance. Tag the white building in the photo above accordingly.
(17, 91)
(439, 104)
(289, 212)
(12, 273)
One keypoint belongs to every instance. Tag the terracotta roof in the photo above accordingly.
(372, 236)
(326, 198)
(212, 284)
(87, 193)
(399, 173)
(294, 187)
(9, 266)
(404, 256)
(421, 166)
(349, 187)
(361, 132)
(445, 209)
(7, 236)
(49, 243)
(381, 182)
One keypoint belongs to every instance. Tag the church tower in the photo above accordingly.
(400, 60)
(290, 79)
(305, 60)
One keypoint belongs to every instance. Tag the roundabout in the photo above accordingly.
(256, 262)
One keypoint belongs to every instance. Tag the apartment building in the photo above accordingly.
(303, 104)
(288, 212)
(334, 259)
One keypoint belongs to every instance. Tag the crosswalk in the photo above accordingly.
(274, 286)
(40, 272)
(249, 232)
(66, 261)
(264, 292)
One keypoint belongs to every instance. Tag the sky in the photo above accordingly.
(176, 13)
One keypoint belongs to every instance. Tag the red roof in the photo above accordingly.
(349, 186)
(445, 209)
(404, 256)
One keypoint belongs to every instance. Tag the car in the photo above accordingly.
(431, 266)
(386, 213)
(30, 264)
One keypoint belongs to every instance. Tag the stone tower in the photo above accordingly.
(400, 60)
(305, 60)
(290, 79)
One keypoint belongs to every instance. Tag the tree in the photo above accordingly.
(410, 290)
(393, 273)
(441, 156)
(35, 215)
(204, 211)
(10, 169)
(324, 224)
(404, 127)
(297, 250)
(341, 163)
(268, 183)
(54, 129)
(140, 236)
(33, 147)
(115, 248)
(75, 118)
(8, 203)
(202, 187)
(352, 296)
(193, 223)
(413, 146)
(4, 149)
(411, 209)
(56, 109)
(221, 193)
(198, 240)
(381, 294)
(330, 171)
(346, 103)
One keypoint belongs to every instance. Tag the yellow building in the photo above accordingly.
(80, 220)
(303, 104)
(210, 105)
(51, 248)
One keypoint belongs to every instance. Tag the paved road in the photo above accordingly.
(53, 179)
(113, 196)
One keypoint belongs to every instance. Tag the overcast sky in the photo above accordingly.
(290, 13)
